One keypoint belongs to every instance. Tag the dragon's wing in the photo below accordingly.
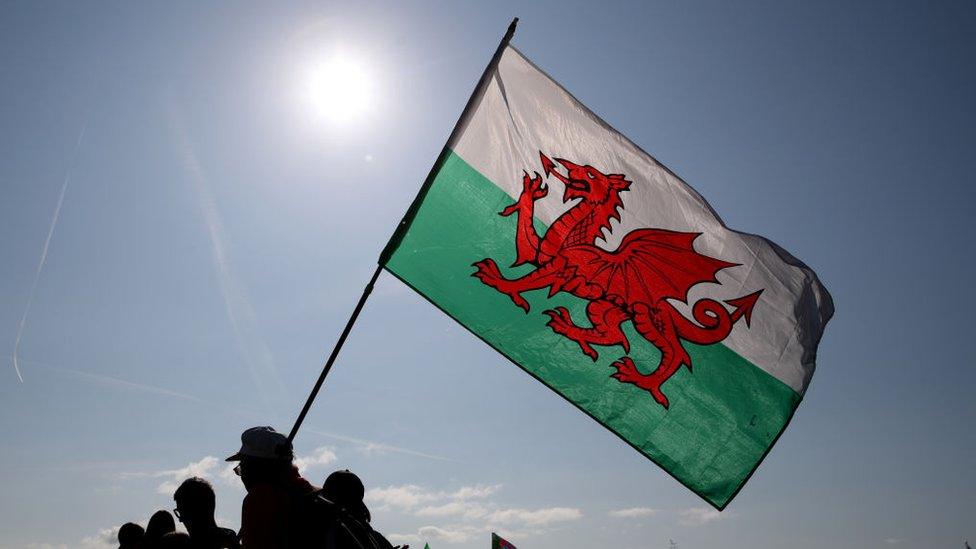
(649, 264)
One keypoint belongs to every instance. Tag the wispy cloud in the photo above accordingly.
(454, 534)
(697, 516)
(403, 539)
(469, 511)
(203, 468)
(253, 350)
(227, 475)
(633, 512)
(407, 496)
(537, 517)
(477, 491)
(411, 496)
(319, 458)
(370, 447)
(106, 538)
(47, 245)
(216, 470)
(465, 509)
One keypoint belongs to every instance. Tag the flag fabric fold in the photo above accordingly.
(598, 271)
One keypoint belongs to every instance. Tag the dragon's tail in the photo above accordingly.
(714, 321)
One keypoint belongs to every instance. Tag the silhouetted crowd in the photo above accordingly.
(281, 510)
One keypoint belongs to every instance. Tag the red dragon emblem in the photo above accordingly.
(634, 282)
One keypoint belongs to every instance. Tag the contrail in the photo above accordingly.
(250, 415)
(368, 445)
(47, 244)
(254, 351)
(123, 384)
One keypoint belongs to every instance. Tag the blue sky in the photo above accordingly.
(216, 232)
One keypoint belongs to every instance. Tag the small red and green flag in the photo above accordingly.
(497, 542)
(598, 271)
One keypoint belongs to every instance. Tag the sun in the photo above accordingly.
(340, 89)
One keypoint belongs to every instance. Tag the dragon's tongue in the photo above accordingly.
(550, 168)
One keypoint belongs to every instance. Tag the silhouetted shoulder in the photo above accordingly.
(225, 538)
(380, 540)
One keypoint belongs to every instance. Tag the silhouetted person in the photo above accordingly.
(175, 540)
(130, 536)
(345, 489)
(160, 524)
(273, 514)
(195, 505)
(349, 526)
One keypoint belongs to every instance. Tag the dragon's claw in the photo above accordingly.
(627, 373)
(626, 370)
(588, 351)
(659, 397)
(538, 187)
(562, 323)
(533, 188)
(509, 210)
(489, 273)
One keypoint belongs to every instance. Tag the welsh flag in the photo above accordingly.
(599, 272)
(498, 543)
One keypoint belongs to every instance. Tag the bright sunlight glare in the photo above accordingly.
(340, 89)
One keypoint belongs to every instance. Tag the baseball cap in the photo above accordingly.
(263, 442)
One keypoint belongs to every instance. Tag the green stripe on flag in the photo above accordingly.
(723, 417)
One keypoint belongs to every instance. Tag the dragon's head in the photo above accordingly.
(585, 182)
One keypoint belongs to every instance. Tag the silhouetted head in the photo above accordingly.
(175, 540)
(585, 182)
(130, 535)
(345, 489)
(195, 503)
(265, 456)
(160, 524)
(343, 486)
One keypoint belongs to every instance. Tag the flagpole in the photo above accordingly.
(335, 352)
(405, 224)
